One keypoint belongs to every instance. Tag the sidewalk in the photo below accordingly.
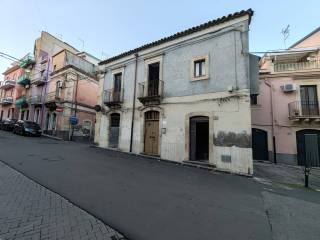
(30, 211)
(286, 174)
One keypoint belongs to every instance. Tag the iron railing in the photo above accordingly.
(34, 100)
(150, 89)
(113, 96)
(39, 80)
(7, 84)
(304, 109)
(6, 100)
(52, 97)
(297, 66)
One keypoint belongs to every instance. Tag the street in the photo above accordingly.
(145, 199)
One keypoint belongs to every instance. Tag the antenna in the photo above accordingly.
(104, 55)
(82, 41)
(285, 33)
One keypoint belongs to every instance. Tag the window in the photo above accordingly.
(200, 67)
(153, 81)
(117, 82)
(58, 89)
(254, 99)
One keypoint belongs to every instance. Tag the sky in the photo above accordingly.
(106, 28)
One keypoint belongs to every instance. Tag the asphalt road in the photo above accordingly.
(143, 198)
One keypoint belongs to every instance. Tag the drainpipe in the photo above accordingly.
(75, 105)
(134, 99)
(272, 124)
(44, 93)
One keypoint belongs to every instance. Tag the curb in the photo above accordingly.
(186, 164)
(52, 137)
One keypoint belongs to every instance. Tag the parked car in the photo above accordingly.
(8, 124)
(27, 128)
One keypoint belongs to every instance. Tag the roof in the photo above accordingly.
(44, 32)
(304, 38)
(11, 69)
(183, 33)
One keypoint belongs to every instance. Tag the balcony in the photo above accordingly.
(34, 100)
(6, 100)
(304, 110)
(7, 84)
(39, 81)
(297, 66)
(21, 102)
(150, 93)
(52, 97)
(113, 98)
(24, 79)
(27, 61)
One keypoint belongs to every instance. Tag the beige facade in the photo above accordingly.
(177, 100)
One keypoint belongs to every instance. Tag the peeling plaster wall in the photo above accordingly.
(183, 98)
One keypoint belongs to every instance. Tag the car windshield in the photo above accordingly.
(31, 125)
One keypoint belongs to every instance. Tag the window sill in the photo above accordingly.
(206, 77)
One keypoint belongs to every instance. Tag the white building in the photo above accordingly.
(182, 98)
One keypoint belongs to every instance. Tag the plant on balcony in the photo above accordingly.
(26, 61)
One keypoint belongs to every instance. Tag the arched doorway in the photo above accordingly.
(151, 133)
(199, 138)
(301, 145)
(114, 130)
(260, 144)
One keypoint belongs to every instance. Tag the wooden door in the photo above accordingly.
(151, 138)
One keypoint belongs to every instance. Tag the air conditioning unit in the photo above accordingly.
(289, 87)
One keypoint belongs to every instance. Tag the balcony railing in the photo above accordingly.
(150, 93)
(52, 97)
(298, 66)
(113, 97)
(39, 81)
(21, 102)
(27, 61)
(304, 109)
(6, 100)
(34, 100)
(24, 79)
(7, 84)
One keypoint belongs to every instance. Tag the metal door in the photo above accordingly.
(114, 130)
(151, 138)
(303, 149)
(259, 144)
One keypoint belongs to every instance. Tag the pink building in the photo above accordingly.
(9, 92)
(287, 108)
